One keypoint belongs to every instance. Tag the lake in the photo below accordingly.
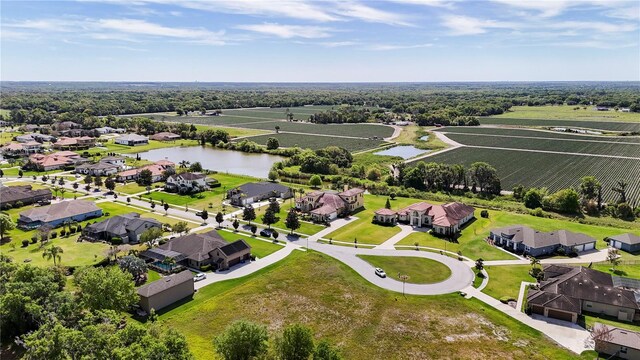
(403, 151)
(225, 161)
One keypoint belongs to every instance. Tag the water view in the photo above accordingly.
(234, 162)
(404, 151)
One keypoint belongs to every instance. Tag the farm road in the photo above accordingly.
(545, 138)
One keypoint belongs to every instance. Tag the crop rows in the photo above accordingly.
(318, 142)
(356, 130)
(554, 171)
(560, 145)
(533, 133)
(588, 124)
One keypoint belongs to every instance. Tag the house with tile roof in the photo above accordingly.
(165, 136)
(327, 205)
(157, 171)
(186, 183)
(445, 219)
(56, 160)
(74, 143)
(569, 291)
(16, 149)
(57, 214)
(525, 240)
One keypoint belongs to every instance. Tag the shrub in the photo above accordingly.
(25, 243)
(34, 239)
(205, 268)
(484, 214)
(560, 251)
(63, 232)
(537, 212)
(116, 240)
(506, 299)
(72, 230)
(79, 228)
(54, 234)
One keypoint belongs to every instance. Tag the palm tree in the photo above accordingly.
(184, 164)
(169, 261)
(534, 262)
(53, 252)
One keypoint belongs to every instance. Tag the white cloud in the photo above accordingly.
(332, 44)
(366, 13)
(387, 47)
(598, 26)
(433, 3)
(551, 8)
(288, 31)
(466, 25)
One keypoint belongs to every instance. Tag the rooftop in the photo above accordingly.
(165, 283)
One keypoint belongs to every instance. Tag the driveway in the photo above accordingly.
(405, 230)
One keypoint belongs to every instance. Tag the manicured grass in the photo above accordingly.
(306, 227)
(420, 270)
(590, 320)
(632, 271)
(318, 142)
(364, 321)
(505, 280)
(259, 248)
(133, 187)
(567, 112)
(6, 136)
(153, 275)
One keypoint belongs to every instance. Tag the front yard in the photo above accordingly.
(505, 280)
(259, 248)
(306, 227)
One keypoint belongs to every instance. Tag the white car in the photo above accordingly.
(199, 276)
(381, 273)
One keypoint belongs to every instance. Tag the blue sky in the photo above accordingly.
(325, 41)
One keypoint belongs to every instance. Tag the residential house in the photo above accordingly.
(34, 137)
(328, 205)
(56, 214)
(127, 227)
(109, 130)
(165, 136)
(166, 291)
(523, 239)
(75, 143)
(108, 165)
(618, 343)
(114, 160)
(186, 183)
(198, 250)
(567, 292)
(445, 219)
(57, 160)
(627, 242)
(132, 140)
(157, 171)
(27, 148)
(258, 191)
(23, 194)
(66, 125)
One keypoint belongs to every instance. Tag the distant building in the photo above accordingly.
(110, 130)
(26, 148)
(328, 205)
(165, 136)
(186, 183)
(127, 227)
(157, 171)
(66, 125)
(24, 194)
(618, 343)
(627, 242)
(255, 192)
(132, 140)
(34, 137)
(77, 143)
(445, 219)
(57, 160)
(166, 291)
(523, 239)
(56, 214)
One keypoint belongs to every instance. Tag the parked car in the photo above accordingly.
(266, 232)
(381, 273)
(199, 276)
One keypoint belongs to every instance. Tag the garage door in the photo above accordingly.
(561, 315)
(537, 309)
(589, 246)
(578, 248)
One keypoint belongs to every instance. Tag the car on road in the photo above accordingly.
(381, 273)
(199, 276)
(266, 232)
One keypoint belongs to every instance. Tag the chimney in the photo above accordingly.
(345, 188)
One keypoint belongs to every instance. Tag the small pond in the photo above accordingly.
(225, 161)
(403, 151)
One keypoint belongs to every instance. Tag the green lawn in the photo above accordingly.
(133, 187)
(306, 227)
(589, 321)
(362, 320)
(632, 271)
(505, 280)
(259, 248)
(567, 112)
(420, 270)
(124, 149)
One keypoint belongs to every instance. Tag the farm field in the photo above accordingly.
(567, 112)
(353, 130)
(318, 142)
(362, 320)
(532, 133)
(596, 147)
(554, 171)
(587, 124)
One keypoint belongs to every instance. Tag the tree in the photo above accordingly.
(236, 224)
(249, 214)
(242, 340)
(272, 143)
(621, 188)
(94, 283)
(315, 181)
(254, 229)
(275, 206)
(165, 207)
(275, 235)
(601, 335)
(181, 227)
(219, 218)
(269, 218)
(518, 192)
(97, 181)
(145, 177)
(589, 188)
(533, 198)
(296, 343)
(53, 252)
(613, 257)
(184, 164)
(273, 175)
(292, 221)
(75, 186)
(565, 201)
(134, 266)
(6, 225)
(195, 167)
(484, 176)
(479, 264)
(534, 262)
(20, 173)
(88, 179)
(387, 205)
(324, 351)
(150, 235)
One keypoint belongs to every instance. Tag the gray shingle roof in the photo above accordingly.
(235, 247)
(623, 337)
(165, 283)
(60, 210)
(537, 239)
(195, 246)
(9, 194)
(120, 224)
(628, 238)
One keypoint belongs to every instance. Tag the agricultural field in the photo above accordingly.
(318, 142)
(352, 130)
(577, 145)
(554, 171)
(534, 133)
(567, 112)
(586, 124)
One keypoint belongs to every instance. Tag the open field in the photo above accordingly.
(318, 142)
(568, 112)
(234, 132)
(419, 270)
(554, 171)
(354, 130)
(472, 242)
(361, 319)
(587, 124)
(578, 145)
(259, 248)
(525, 133)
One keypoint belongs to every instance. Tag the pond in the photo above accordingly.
(226, 161)
(403, 151)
